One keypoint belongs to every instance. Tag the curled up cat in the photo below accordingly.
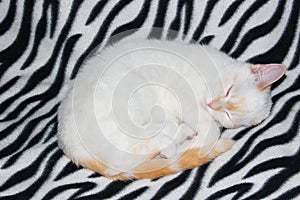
(149, 108)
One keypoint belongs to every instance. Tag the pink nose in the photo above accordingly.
(215, 105)
(210, 104)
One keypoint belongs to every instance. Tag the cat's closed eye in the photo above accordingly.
(229, 90)
(228, 115)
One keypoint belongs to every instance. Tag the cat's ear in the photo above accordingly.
(267, 74)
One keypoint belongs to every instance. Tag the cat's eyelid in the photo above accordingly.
(228, 115)
(228, 90)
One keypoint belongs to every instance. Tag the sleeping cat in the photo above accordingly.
(148, 108)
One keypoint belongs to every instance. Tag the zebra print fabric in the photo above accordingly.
(43, 45)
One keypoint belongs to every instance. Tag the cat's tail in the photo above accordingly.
(161, 167)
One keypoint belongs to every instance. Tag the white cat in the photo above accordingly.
(149, 108)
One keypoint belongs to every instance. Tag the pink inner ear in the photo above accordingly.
(265, 75)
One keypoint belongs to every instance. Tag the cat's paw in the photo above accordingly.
(214, 150)
(223, 145)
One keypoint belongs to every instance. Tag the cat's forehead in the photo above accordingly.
(236, 73)
(230, 78)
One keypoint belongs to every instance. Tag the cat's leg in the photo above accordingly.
(159, 167)
(202, 149)
(160, 146)
(189, 159)
(105, 170)
(164, 145)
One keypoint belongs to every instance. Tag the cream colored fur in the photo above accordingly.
(113, 116)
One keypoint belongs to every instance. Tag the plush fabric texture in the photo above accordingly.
(43, 45)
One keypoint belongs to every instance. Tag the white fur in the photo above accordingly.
(105, 114)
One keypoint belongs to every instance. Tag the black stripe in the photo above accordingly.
(49, 94)
(134, 194)
(206, 40)
(290, 167)
(229, 43)
(12, 53)
(196, 184)
(82, 187)
(34, 141)
(109, 191)
(40, 33)
(29, 171)
(131, 27)
(290, 194)
(230, 11)
(277, 180)
(52, 132)
(8, 130)
(189, 8)
(295, 86)
(44, 71)
(235, 164)
(241, 133)
(41, 29)
(259, 31)
(282, 162)
(284, 138)
(9, 84)
(176, 23)
(55, 86)
(32, 189)
(239, 189)
(70, 168)
(7, 22)
(54, 16)
(94, 175)
(166, 188)
(296, 57)
(96, 11)
(277, 83)
(277, 53)
(208, 10)
(25, 134)
(159, 22)
(101, 34)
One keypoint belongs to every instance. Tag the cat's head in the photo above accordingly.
(243, 96)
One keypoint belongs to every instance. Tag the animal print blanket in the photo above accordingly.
(43, 45)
